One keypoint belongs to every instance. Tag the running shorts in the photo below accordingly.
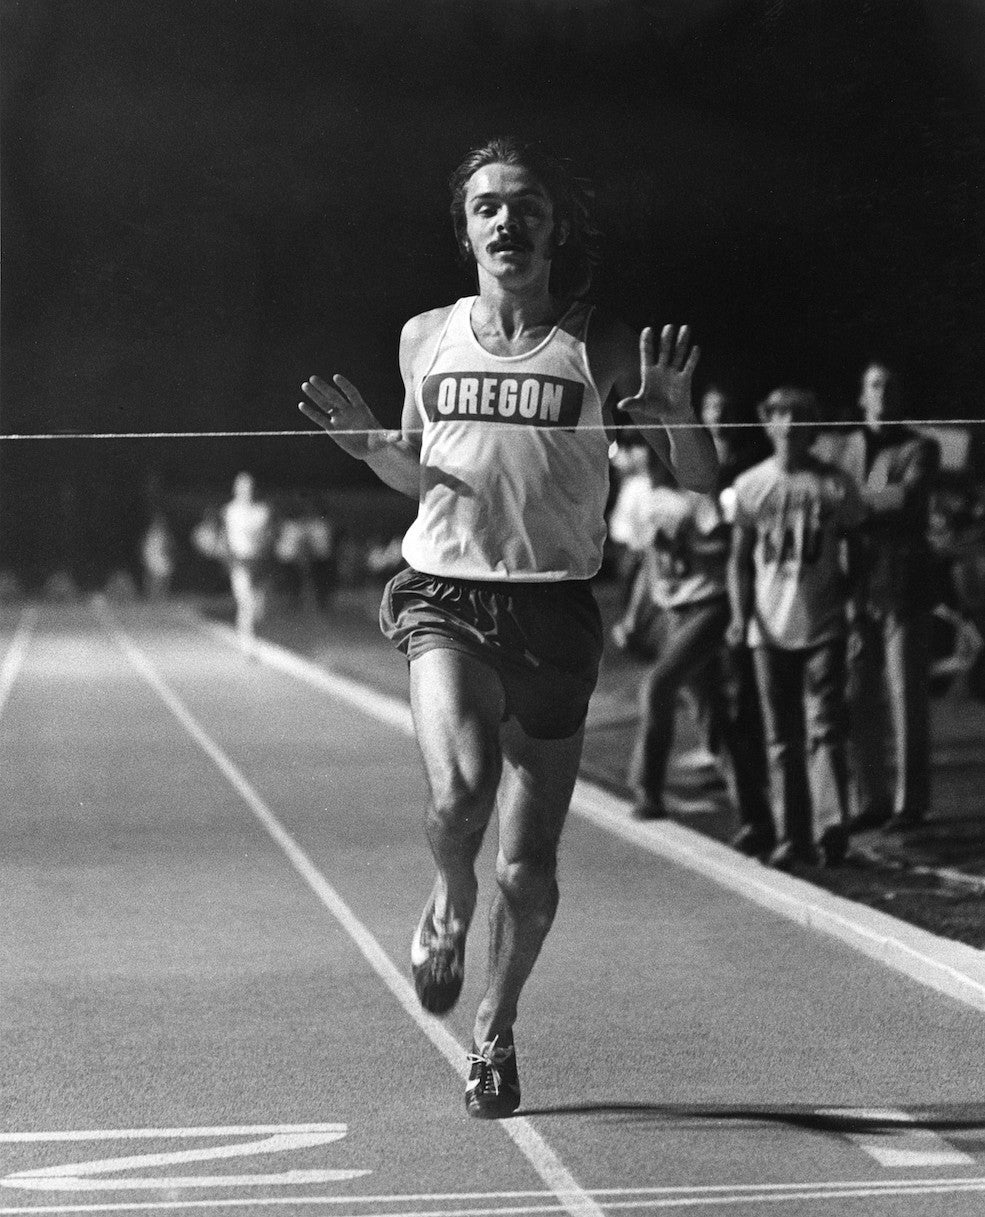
(543, 639)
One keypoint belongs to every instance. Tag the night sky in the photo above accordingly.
(204, 202)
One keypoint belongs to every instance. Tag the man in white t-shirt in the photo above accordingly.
(788, 572)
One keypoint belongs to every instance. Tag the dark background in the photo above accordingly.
(205, 201)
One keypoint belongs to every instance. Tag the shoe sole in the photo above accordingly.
(493, 1111)
(435, 996)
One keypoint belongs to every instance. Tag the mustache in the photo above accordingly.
(502, 243)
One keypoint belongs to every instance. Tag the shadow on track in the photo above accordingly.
(854, 1119)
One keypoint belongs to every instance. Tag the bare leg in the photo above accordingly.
(245, 597)
(539, 781)
(457, 703)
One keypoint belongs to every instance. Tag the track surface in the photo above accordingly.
(210, 874)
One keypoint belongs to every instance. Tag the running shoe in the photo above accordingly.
(493, 1089)
(437, 962)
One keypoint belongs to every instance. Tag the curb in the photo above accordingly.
(951, 968)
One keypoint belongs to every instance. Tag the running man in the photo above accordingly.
(248, 532)
(503, 444)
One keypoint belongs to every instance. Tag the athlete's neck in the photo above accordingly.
(507, 316)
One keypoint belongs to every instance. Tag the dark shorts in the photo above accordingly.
(543, 639)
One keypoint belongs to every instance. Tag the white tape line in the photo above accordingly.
(573, 1198)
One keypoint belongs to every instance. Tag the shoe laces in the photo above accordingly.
(491, 1060)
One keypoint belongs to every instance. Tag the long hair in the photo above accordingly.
(573, 262)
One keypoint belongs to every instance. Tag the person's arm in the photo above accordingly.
(339, 409)
(740, 583)
(654, 389)
(905, 500)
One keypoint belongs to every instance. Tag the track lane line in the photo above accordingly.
(951, 968)
(698, 1198)
(562, 1184)
(14, 657)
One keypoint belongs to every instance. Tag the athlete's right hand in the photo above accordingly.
(340, 410)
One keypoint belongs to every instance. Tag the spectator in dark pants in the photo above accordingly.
(682, 578)
(788, 594)
(890, 642)
(738, 448)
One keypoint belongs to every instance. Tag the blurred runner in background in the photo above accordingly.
(248, 528)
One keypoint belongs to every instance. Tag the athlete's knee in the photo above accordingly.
(529, 885)
(463, 796)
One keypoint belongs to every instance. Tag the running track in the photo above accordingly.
(210, 871)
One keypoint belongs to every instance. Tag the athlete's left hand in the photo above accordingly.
(665, 380)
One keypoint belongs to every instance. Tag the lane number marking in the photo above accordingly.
(92, 1175)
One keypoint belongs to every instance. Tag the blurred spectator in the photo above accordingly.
(293, 553)
(957, 536)
(120, 586)
(60, 586)
(248, 527)
(209, 538)
(321, 542)
(737, 447)
(630, 468)
(384, 557)
(157, 554)
(788, 595)
(683, 576)
(889, 651)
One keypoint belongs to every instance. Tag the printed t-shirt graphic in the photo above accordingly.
(799, 519)
(514, 458)
(688, 547)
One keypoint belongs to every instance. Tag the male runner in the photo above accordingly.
(248, 527)
(503, 443)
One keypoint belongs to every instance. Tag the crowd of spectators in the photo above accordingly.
(808, 610)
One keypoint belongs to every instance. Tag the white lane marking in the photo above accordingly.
(376, 705)
(947, 967)
(544, 1160)
(897, 1140)
(148, 1134)
(682, 1198)
(69, 1183)
(14, 657)
(77, 1176)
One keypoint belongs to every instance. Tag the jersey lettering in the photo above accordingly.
(791, 549)
(541, 401)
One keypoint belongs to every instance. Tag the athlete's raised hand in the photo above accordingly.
(339, 409)
(665, 379)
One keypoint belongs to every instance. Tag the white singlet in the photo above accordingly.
(247, 530)
(513, 482)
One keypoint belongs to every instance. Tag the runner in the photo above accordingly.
(503, 444)
(248, 528)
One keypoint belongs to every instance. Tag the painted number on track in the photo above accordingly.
(98, 1174)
